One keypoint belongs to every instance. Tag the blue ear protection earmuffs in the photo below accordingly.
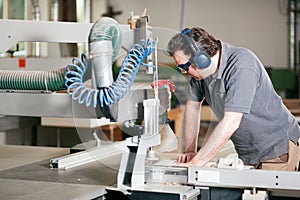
(199, 58)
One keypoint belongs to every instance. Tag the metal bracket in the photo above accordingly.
(87, 156)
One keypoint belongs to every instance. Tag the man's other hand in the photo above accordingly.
(184, 158)
(165, 82)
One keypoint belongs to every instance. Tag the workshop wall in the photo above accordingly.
(258, 25)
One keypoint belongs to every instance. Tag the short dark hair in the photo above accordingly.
(202, 38)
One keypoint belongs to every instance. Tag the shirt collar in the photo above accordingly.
(223, 59)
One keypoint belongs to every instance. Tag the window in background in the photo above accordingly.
(83, 16)
(1, 9)
(17, 9)
(14, 9)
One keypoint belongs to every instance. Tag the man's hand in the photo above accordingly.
(165, 82)
(185, 158)
(189, 159)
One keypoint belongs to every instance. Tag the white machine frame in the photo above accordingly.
(33, 103)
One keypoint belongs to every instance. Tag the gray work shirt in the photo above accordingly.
(242, 84)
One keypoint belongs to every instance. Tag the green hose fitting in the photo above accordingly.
(107, 28)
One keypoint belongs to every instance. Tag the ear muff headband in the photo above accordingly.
(199, 58)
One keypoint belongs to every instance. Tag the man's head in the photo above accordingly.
(178, 46)
(202, 38)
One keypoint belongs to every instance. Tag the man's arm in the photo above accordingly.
(192, 125)
(220, 135)
(191, 130)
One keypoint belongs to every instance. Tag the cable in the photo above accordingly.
(113, 93)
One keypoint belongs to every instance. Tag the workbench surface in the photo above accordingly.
(25, 173)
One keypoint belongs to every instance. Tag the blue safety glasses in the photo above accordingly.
(185, 66)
